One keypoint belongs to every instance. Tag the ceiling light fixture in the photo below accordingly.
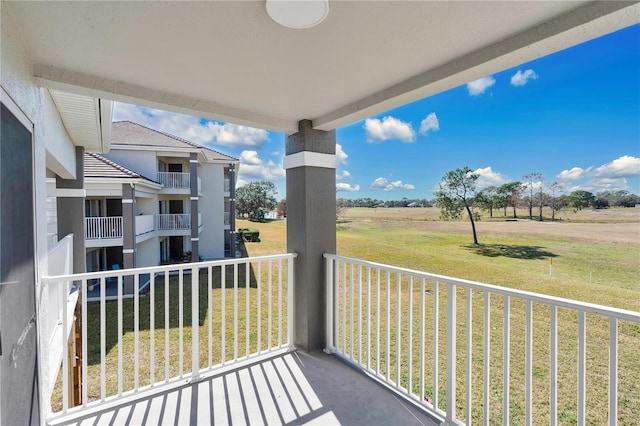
(298, 14)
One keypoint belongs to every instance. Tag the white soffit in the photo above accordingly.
(229, 61)
(87, 119)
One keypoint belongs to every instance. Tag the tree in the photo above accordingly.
(554, 188)
(281, 208)
(255, 200)
(529, 184)
(457, 193)
(581, 199)
(488, 199)
(510, 193)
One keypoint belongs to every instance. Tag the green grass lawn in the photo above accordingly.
(588, 268)
(585, 267)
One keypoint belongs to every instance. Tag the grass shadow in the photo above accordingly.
(231, 276)
(512, 251)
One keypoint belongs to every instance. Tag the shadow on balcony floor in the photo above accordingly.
(294, 389)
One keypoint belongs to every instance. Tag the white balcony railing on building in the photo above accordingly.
(227, 218)
(227, 185)
(103, 227)
(61, 301)
(241, 310)
(144, 224)
(173, 222)
(199, 220)
(175, 180)
(416, 331)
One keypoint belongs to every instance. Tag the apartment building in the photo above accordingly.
(155, 198)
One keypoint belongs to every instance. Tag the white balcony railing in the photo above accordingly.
(241, 311)
(103, 227)
(227, 185)
(144, 224)
(175, 180)
(173, 222)
(227, 218)
(416, 331)
(61, 302)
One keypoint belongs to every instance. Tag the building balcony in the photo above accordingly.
(173, 222)
(103, 231)
(108, 231)
(227, 185)
(448, 351)
(174, 180)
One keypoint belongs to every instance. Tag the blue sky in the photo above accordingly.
(573, 116)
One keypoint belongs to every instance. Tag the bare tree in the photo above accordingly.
(528, 185)
(554, 187)
(541, 197)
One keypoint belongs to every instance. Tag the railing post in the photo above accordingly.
(195, 325)
(329, 312)
(291, 305)
(451, 355)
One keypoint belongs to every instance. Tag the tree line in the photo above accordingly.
(458, 194)
(254, 200)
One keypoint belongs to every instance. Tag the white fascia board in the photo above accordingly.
(106, 118)
(119, 181)
(160, 150)
(154, 187)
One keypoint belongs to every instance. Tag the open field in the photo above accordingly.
(596, 258)
(595, 255)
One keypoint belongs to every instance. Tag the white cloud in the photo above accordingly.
(488, 177)
(341, 155)
(609, 176)
(573, 174)
(388, 128)
(625, 166)
(390, 186)
(596, 185)
(226, 134)
(253, 168)
(192, 128)
(345, 174)
(347, 187)
(479, 86)
(430, 123)
(521, 78)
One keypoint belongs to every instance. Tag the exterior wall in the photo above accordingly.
(60, 152)
(48, 135)
(142, 162)
(211, 204)
(148, 253)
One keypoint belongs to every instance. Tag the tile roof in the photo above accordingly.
(134, 134)
(97, 166)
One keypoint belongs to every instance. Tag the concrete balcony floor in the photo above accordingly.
(294, 389)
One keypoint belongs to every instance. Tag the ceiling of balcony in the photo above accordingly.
(228, 60)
